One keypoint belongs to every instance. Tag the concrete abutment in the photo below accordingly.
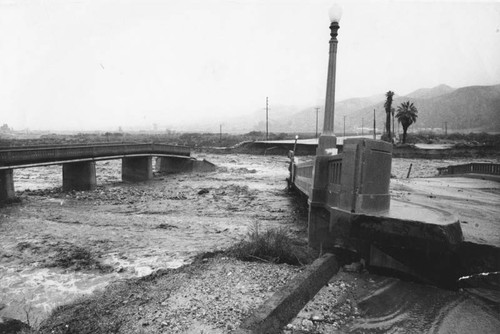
(349, 209)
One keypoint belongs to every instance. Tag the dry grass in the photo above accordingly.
(272, 245)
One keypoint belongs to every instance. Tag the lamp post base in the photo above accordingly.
(327, 145)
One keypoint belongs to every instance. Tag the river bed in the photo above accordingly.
(135, 229)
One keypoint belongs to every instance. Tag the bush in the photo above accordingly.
(273, 245)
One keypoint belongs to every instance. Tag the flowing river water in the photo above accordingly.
(137, 229)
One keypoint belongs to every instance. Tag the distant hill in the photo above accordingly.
(427, 93)
(473, 108)
(305, 120)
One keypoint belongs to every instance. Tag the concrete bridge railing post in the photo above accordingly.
(366, 176)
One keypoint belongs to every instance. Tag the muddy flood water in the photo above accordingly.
(120, 230)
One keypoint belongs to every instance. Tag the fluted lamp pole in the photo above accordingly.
(327, 140)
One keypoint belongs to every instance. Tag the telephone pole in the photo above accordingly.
(374, 126)
(267, 118)
(317, 110)
(445, 128)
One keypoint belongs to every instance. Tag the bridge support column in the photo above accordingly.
(79, 176)
(137, 169)
(6, 185)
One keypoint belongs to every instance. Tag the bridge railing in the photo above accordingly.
(356, 180)
(100, 143)
(20, 156)
(302, 176)
(474, 167)
(334, 180)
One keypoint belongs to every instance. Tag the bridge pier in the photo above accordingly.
(79, 176)
(7, 185)
(137, 169)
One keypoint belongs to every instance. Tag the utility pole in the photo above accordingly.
(374, 126)
(267, 118)
(344, 127)
(362, 126)
(317, 110)
(445, 128)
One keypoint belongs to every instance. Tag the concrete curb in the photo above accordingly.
(286, 303)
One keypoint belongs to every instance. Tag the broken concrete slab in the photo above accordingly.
(170, 165)
(473, 202)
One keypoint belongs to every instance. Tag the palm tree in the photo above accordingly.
(407, 115)
(388, 107)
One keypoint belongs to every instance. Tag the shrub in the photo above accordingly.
(272, 245)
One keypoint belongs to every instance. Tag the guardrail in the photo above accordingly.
(474, 167)
(22, 156)
(302, 176)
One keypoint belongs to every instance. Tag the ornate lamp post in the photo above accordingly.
(327, 140)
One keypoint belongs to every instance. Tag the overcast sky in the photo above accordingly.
(84, 65)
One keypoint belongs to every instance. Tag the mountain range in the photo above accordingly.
(472, 108)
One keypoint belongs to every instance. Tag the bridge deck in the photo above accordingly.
(36, 156)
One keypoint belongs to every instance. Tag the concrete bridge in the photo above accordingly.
(78, 162)
(350, 208)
